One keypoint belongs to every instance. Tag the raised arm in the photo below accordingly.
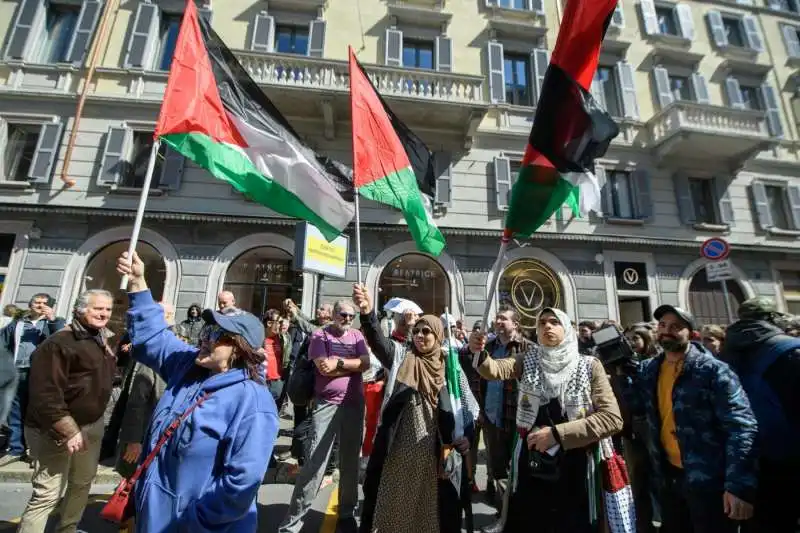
(153, 344)
(382, 347)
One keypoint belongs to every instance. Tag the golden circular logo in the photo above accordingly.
(528, 285)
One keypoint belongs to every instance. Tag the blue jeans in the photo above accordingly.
(16, 417)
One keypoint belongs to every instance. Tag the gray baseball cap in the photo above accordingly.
(238, 322)
(684, 315)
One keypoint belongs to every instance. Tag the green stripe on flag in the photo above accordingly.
(533, 202)
(400, 190)
(230, 164)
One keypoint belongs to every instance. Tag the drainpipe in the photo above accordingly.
(100, 43)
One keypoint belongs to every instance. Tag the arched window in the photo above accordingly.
(707, 301)
(101, 273)
(418, 278)
(262, 278)
(529, 285)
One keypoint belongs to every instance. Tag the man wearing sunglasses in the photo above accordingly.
(340, 355)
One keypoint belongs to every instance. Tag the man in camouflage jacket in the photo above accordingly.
(702, 432)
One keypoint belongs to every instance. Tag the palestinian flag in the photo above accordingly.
(383, 150)
(453, 381)
(214, 114)
(570, 130)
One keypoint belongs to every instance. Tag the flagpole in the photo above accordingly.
(137, 224)
(358, 240)
(494, 276)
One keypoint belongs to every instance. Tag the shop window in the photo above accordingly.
(529, 285)
(6, 247)
(418, 278)
(262, 278)
(101, 273)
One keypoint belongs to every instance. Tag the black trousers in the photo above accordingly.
(685, 509)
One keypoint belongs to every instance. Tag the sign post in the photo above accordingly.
(720, 269)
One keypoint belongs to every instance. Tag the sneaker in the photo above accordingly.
(9, 459)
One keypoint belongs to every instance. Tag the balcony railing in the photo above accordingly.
(329, 75)
(702, 118)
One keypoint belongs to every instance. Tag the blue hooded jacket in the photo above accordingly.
(206, 478)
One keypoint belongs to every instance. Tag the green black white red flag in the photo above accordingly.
(570, 130)
(216, 115)
(383, 151)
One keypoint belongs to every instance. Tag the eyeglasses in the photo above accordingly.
(424, 331)
(347, 316)
(211, 334)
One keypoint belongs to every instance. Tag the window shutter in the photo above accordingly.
(685, 20)
(537, 6)
(171, 170)
(661, 76)
(263, 39)
(754, 40)
(46, 151)
(683, 196)
(316, 38)
(84, 29)
(497, 75)
(138, 44)
(540, 60)
(649, 17)
(598, 93)
(734, 93)
(444, 54)
(606, 191)
(113, 155)
(442, 195)
(3, 145)
(700, 89)
(628, 89)
(717, 28)
(724, 203)
(394, 48)
(643, 193)
(27, 12)
(618, 18)
(502, 182)
(793, 192)
(791, 40)
(763, 214)
(772, 109)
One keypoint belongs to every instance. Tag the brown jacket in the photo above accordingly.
(70, 383)
(603, 422)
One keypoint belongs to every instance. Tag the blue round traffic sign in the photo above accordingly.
(715, 249)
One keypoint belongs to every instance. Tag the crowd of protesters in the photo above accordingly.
(691, 429)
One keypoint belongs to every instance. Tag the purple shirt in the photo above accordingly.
(350, 345)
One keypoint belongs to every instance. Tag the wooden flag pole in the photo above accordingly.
(358, 241)
(137, 224)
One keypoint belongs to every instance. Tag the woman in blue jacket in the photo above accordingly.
(206, 477)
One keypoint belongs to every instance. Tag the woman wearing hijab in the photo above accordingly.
(417, 441)
(565, 409)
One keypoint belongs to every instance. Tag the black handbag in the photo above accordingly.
(542, 465)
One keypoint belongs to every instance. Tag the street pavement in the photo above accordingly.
(273, 498)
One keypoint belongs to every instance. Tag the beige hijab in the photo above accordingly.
(424, 372)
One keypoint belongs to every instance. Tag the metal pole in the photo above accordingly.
(494, 277)
(728, 309)
(137, 224)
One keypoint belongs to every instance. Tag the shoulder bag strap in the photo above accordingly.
(165, 437)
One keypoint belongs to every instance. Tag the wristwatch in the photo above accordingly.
(340, 364)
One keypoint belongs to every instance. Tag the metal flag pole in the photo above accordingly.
(728, 308)
(137, 224)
